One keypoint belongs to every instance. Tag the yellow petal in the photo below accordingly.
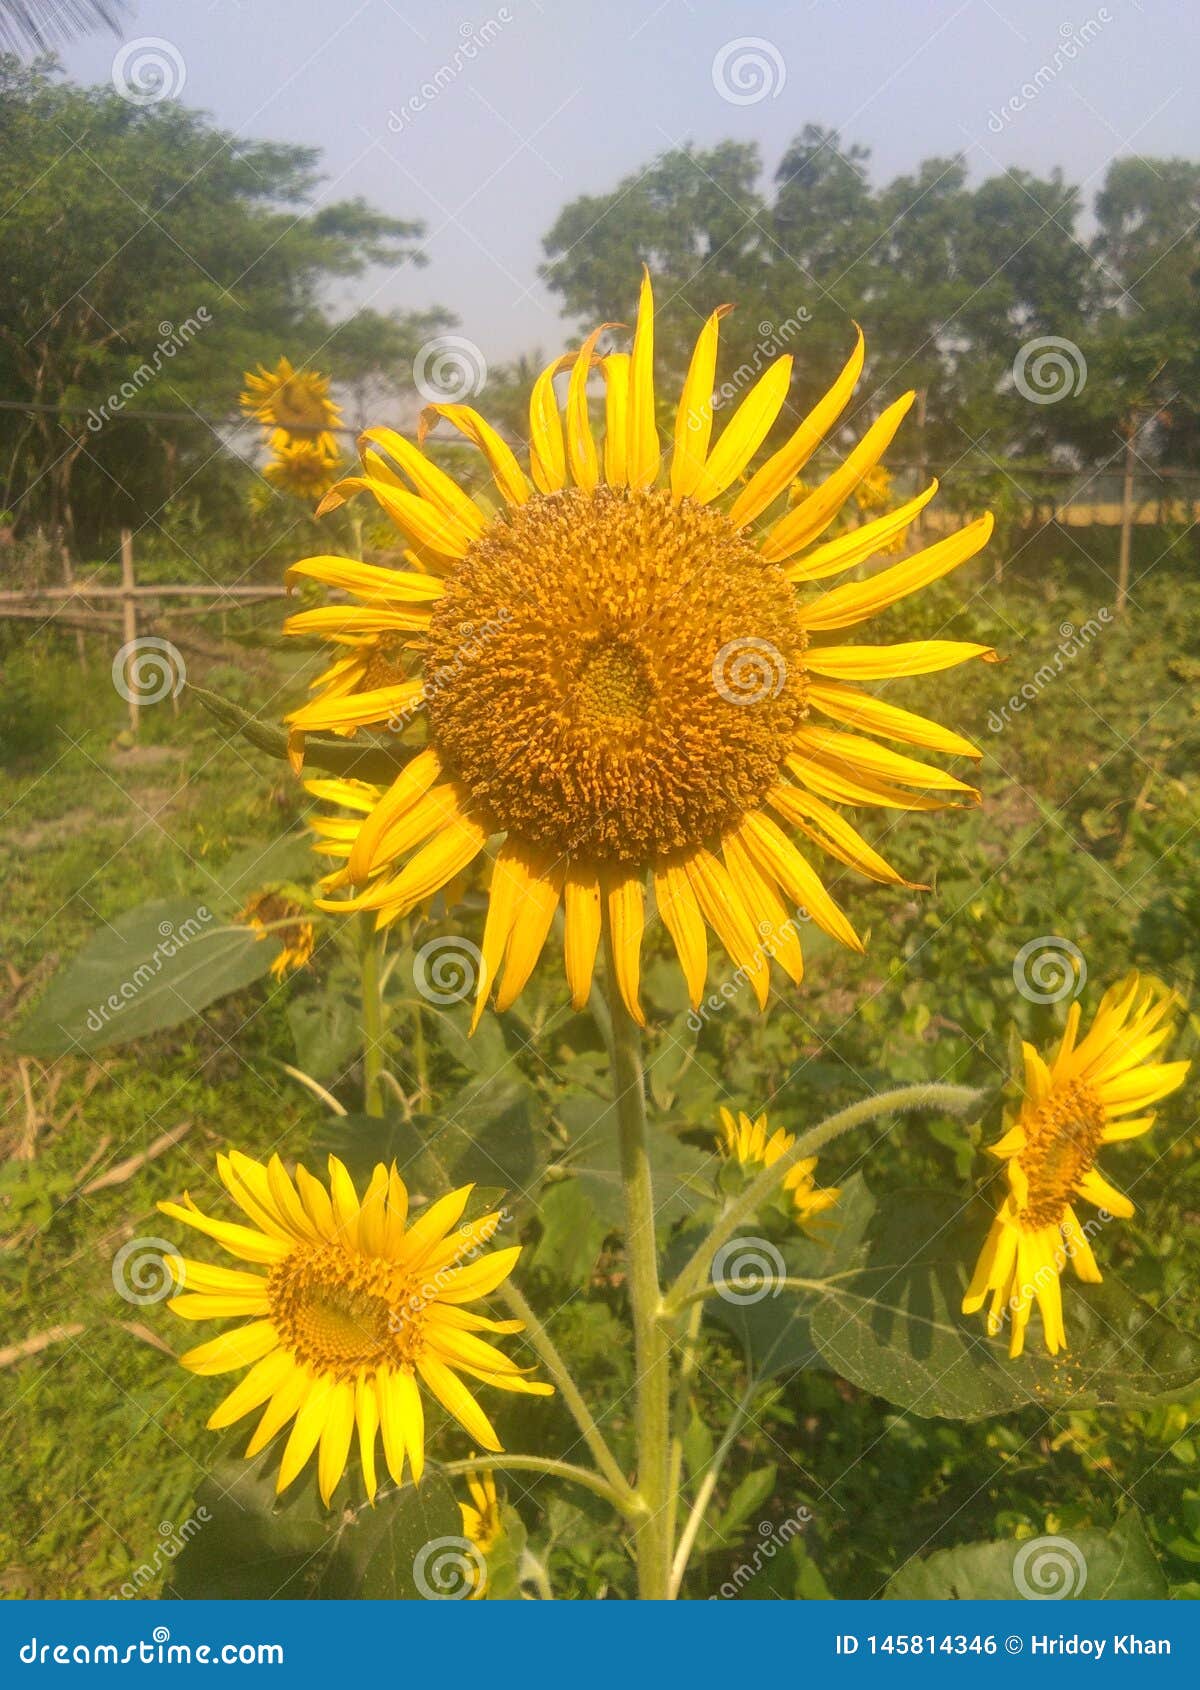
(693, 420)
(446, 855)
(506, 471)
(616, 418)
(726, 914)
(581, 929)
(366, 1415)
(547, 459)
(843, 606)
(774, 923)
(232, 1349)
(890, 662)
(681, 916)
(429, 481)
(412, 783)
(626, 920)
(834, 834)
(335, 1438)
(581, 448)
(642, 450)
(861, 542)
(458, 1401)
(240, 1241)
(780, 861)
(504, 898)
(866, 757)
(781, 470)
(263, 1380)
(862, 710)
(813, 515)
(367, 580)
(537, 901)
(423, 522)
(745, 432)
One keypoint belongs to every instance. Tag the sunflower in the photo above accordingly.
(1080, 1101)
(294, 404)
(621, 680)
(302, 467)
(264, 911)
(747, 1142)
(356, 1305)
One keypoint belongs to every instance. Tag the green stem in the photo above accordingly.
(370, 953)
(537, 1464)
(651, 1335)
(545, 1347)
(688, 1368)
(950, 1100)
(708, 1485)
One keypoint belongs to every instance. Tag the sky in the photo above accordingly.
(483, 122)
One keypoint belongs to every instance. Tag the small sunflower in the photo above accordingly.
(264, 911)
(747, 1142)
(294, 404)
(357, 1305)
(1073, 1106)
(622, 682)
(481, 1522)
(303, 468)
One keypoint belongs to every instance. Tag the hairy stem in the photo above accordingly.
(370, 951)
(950, 1100)
(537, 1464)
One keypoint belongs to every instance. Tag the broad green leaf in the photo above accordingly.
(326, 1029)
(1089, 1565)
(681, 1174)
(572, 1234)
(153, 968)
(250, 1544)
(894, 1328)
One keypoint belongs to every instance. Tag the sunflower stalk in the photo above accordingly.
(370, 957)
(945, 1099)
(651, 1334)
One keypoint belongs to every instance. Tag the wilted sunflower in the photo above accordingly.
(747, 1142)
(1071, 1108)
(294, 404)
(357, 1305)
(263, 913)
(621, 679)
(303, 468)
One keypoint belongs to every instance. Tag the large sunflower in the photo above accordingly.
(357, 1305)
(621, 679)
(1086, 1097)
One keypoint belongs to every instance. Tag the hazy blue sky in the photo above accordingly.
(567, 97)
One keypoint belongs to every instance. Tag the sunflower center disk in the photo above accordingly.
(1063, 1142)
(339, 1312)
(625, 673)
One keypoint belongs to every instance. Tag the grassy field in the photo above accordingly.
(1088, 832)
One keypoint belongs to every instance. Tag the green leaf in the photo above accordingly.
(485, 1138)
(572, 1234)
(749, 1498)
(681, 1174)
(326, 1030)
(1089, 1565)
(248, 1544)
(352, 759)
(894, 1328)
(153, 968)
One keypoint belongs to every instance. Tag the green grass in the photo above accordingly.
(1088, 832)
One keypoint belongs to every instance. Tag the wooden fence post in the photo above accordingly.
(129, 627)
